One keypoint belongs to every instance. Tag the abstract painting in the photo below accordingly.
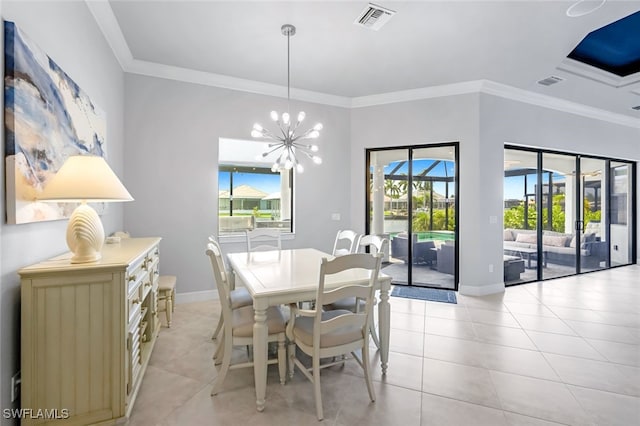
(47, 119)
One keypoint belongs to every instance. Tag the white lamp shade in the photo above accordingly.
(85, 178)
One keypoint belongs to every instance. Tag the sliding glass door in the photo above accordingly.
(563, 213)
(560, 215)
(412, 201)
(622, 202)
(521, 200)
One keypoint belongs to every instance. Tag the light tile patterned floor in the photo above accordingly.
(565, 351)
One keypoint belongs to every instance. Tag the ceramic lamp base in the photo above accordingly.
(85, 234)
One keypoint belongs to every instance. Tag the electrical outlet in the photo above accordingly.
(491, 267)
(15, 386)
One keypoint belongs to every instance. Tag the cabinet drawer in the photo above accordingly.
(136, 274)
(134, 304)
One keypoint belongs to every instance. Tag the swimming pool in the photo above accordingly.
(432, 235)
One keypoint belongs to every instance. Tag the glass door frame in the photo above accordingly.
(410, 148)
(578, 206)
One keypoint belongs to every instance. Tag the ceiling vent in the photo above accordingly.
(550, 80)
(374, 17)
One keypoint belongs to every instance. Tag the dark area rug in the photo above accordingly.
(431, 294)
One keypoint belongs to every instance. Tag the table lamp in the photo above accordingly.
(85, 178)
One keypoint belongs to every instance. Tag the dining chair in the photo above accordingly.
(238, 326)
(346, 242)
(376, 244)
(239, 297)
(325, 334)
(263, 239)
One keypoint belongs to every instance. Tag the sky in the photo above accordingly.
(263, 182)
(444, 168)
(513, 186)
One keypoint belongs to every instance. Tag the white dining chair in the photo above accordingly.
(263, 239)
(375, 244)
(325, 334)
(346, 242)
(238, 326)
(239, 297)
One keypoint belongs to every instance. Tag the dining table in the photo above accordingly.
(280, 277)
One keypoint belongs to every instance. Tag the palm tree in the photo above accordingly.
(392, 189)
(424, 186)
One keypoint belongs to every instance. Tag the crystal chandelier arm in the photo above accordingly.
(295, 127)
(285, 136)
(293, 156)
(267, 134)
(276, 147)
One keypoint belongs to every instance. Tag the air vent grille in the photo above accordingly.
(374, 17)
(550, 80)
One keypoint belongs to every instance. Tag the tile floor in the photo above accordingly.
(565, 351)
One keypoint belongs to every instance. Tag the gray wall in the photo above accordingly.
(172, 131)
(70, 36)
(444, 119)
(482, 124)
(506, 121)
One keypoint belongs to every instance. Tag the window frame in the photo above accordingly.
(231, 167)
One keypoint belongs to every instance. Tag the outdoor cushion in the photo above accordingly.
(527, 238)
(556, 241)
(584, 239)
(508, 235)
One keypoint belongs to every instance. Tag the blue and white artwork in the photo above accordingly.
(47, 119)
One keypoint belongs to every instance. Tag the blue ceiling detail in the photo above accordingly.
(614, 48)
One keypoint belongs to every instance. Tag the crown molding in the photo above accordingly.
(463, 88)
(153, 69)
(546, 101)
(108, 24)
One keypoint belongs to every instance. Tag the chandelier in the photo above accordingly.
(287, 145)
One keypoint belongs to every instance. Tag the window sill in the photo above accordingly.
(241, 238)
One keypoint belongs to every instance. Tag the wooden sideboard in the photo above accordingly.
(88, 331)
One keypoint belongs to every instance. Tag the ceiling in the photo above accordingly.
(426, 44)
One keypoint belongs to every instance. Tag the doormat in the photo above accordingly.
(431, 294)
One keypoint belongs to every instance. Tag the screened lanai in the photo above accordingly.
(420, 186)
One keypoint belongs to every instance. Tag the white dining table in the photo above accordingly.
(291, 276)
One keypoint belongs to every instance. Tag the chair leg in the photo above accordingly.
(219, 350)
(374, 334)
(367, 373)
(291, 356)
(316, 386)
(218, 327)
(224, 368)
(168, 307)
(282, 360)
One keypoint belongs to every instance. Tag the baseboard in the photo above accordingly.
(196, 296)
(473, 290)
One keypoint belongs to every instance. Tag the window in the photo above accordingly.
(250, 194)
